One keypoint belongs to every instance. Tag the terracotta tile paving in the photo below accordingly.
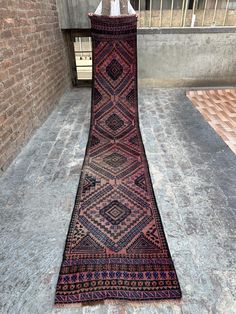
(218, 106)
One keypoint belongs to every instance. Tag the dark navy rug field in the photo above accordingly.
(116, 247)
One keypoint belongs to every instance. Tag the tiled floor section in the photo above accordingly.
(219, 108)
(194, 177)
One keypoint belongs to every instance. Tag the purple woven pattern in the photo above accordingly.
(116, 247)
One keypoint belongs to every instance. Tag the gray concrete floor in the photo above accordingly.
(194, 177)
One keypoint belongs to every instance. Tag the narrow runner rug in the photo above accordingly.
(116, 246)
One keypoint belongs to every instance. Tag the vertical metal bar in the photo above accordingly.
(90, 47)
(80, 47)
(150, 14)
(145, 15)
(193, 13)
(204, 12)
(139, 11)
(171, 12)
(226, 11)
(194, 6)
(182, 13)
(185, 12)
(161, 6)
(214, 15)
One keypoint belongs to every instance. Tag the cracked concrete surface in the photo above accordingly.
(194, 178)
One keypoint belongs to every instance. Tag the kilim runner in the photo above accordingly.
(116, 247)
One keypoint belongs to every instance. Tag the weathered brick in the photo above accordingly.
(6, 135)
(2, 118)
(6, 34)
(11, 110)
(3, 75)
(6, 52)
(9, 82)
(6, 94)
(4, 4)
(11, 62)
(33, 70)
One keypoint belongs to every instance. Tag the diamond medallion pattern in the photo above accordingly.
(114, 70)
(116, 246)
(115, 212)
(105, 218)
(115, 160)
(114, 122)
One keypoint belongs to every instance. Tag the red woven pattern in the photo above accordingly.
(116, 247)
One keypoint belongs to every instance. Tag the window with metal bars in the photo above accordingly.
(83, 59)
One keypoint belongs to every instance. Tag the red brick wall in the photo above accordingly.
(34, 70)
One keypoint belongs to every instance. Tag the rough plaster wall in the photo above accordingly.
(170, 59)
(34, 70)
(187, 59)
(74, 13)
